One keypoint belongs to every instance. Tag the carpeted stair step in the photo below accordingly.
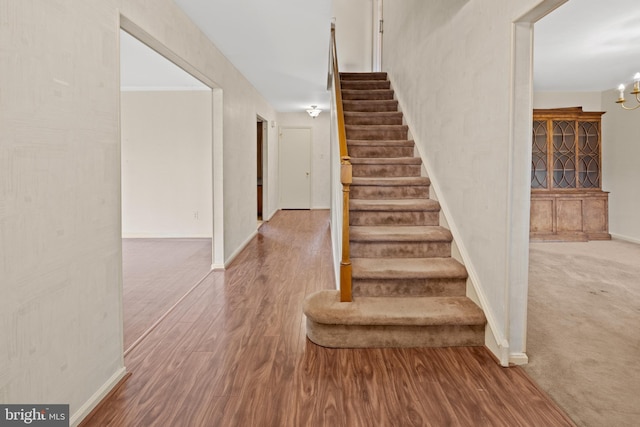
(375, 118)
(399, 241)
(389, 167)
(393, 322)
(363, 76)
(408, 277)
(370, 106)
(380, 148)
(377, 132)
(374, 94)
(365, 84)
(390, 188)
(393, 212)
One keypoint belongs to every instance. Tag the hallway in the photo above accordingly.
(234, 353)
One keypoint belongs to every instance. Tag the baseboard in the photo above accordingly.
(271, 215)
(163, 236)
(518, 359)
(625, 238)
(240, 248)
(99, 396)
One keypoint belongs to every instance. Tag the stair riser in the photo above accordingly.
(400, 249)
(380, 152)
(389, 193)
(371, 336)
(363, 76)
(365, 84)
(393, 218)
(354, 95)
(385, 170)
(409, 287)
(373, 120)
(368, 106)
(376, 134)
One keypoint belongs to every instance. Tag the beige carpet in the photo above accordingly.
(584, 329)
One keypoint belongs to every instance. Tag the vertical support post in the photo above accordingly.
(345, 262)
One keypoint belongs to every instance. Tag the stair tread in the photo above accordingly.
(394, 205)
(364, 76)
(348, 91)
(381, 142)
(405, 268)
(386, 160)
(325, 307)
(393, 181)
(399, 233)
(373, 113)
(377, 127)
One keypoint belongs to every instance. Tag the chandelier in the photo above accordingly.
(635, 91)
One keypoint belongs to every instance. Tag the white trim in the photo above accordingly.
(152, 235)
(625, 238)
(163, 88)
(97, 397)
(240, 248)
(518, 359)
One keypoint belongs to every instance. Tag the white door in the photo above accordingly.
(295, 168)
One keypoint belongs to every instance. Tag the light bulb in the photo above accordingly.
(636, 77)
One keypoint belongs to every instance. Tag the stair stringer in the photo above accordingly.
(495, 339)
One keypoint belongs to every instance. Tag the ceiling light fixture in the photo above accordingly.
(314, 111)
(635, 91)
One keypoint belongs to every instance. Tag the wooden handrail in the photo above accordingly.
(345, 171)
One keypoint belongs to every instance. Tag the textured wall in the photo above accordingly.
(166, 164)
(60, 203)
(452, 66)
(620, 173)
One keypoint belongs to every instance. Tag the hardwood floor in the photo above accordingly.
(234, 353)
(156, 274)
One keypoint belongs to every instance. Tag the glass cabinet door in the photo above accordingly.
(564, 154)
(588, 154)
(539, 155)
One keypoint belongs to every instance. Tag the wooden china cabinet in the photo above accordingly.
(567, 201)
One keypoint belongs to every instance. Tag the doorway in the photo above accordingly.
(167, 180)
(295, 168)
(260, 166)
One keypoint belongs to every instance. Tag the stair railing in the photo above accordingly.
(345, 169)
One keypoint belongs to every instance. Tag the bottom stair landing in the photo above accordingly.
(393, 321)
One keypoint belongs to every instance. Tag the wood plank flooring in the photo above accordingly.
(156, 274)
(234, 353)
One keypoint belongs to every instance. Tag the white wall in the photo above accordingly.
(354, 34)
(320, 166)
(166, 164)
(60, 209)
(452, 64)
(621, 175)
(589, 101)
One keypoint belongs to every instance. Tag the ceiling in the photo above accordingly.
(587, 45)
(282, 48)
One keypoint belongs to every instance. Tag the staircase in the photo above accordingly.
(407, 289)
